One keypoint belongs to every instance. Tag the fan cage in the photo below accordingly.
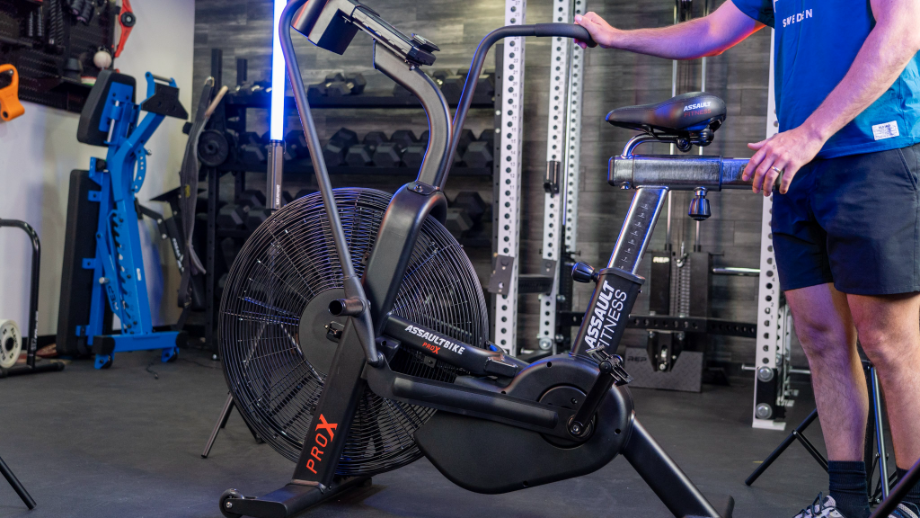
(290, 259)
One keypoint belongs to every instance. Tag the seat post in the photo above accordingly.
(637, 140)
(637, 229)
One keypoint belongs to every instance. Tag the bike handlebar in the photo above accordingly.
(540, 30)
(564, 30)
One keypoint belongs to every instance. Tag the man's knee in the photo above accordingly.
(882, 343)
(821, 336)
(822, 322)
(887, 327)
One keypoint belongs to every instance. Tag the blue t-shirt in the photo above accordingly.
(816, 42)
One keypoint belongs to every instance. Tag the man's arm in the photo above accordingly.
(707, 36)
(891, 44)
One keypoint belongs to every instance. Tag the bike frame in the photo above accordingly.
(359, 365)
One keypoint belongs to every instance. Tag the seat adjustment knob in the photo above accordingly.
(582, 272)
(699, 206)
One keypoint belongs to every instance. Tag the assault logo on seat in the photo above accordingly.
(697, 106)
(606, 316)
(436, 340)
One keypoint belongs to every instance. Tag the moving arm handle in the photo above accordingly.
(563, 30)
(541, 30)
(353, 287)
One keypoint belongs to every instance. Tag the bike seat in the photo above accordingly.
(685, 113)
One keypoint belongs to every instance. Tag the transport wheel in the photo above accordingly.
(225, 502)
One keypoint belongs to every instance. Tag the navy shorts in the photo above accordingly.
(853, 221)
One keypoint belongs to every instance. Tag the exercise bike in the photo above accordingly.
(353, 329)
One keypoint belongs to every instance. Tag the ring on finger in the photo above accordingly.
(778, 170)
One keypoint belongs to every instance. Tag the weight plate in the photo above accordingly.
(213, 148)
(10, 343)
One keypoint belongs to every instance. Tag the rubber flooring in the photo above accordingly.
(126, 442)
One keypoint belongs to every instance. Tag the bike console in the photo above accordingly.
(336, 24)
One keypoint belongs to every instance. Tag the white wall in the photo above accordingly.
(39, 149)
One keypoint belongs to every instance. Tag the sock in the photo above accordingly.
(848, 488)
(913, 496)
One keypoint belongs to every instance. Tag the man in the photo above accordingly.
(846, 223)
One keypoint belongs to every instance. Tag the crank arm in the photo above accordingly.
(472, 402)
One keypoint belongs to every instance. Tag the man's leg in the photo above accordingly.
(889, 331)
(825, 328)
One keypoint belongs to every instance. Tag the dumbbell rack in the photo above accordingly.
(232, 113)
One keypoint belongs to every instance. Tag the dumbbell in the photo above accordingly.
(295, 145)
(478, 154)
(451, 84)
(235, 215)
(252, 149)
(413, 149)
(467, 137)
(488, 135)
(232, 216)
(335, 86)
(359, 155)
(406, 138)
(465, 212)
(251, 198)
(389, 153)
(415, 152)
(238, 214)
(339, 85)
(458, 222)
(362, 155)
(356, 82)
(463, 139)
(257, 214)
(374, 139)
(440, 74)
(472, 203)
(485, 85)
(334, 150)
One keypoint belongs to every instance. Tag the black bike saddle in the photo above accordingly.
(686, 113)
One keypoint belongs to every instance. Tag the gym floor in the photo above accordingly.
(122, 443)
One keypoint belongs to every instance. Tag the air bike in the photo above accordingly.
(353, 328)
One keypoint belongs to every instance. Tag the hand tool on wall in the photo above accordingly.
(10, 107)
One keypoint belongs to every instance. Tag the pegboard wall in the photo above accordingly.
(40, 37)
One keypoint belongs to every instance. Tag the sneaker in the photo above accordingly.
(906, 510)
(822, 507)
